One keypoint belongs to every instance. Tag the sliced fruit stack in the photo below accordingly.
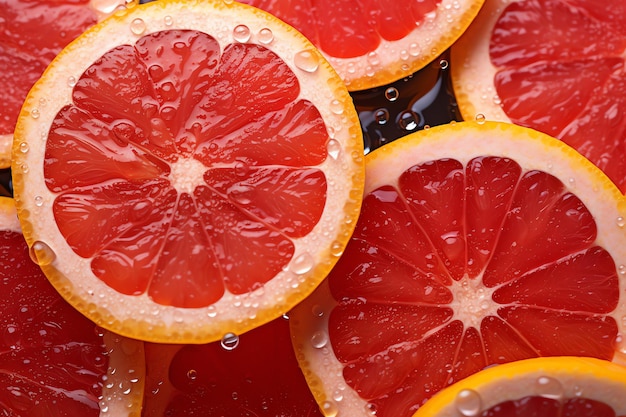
(196, 229)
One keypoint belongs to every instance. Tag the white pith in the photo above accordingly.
(472, 301)
(187, 174)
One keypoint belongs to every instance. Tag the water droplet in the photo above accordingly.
(71, 81)
(24, 147)
(329, 409)
(140, 210)
(381, 116)
(468, 403)
(105, 6)
(338, 395)
(549, 387)
(241, 33)
(480, 118)
(319, 339)
(211, 311)
(302, 264)
(192, 374)
(408, 120)
(444, 64)
(266, 36)
(373, 59)
(371, 409)
(138, 26)
(230, 341)
(622, 269)
(317, 310)
(34, 113)
(336, 248)
(392, 94)
(336, 106)
(334, 148)
(621, 222)
(168, 20)
(307, 60)
(235, 395)
(240, 194)
(38, 200)
(41, 253)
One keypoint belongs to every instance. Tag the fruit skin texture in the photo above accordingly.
(361, 332)
(561, 377)
(41, 202)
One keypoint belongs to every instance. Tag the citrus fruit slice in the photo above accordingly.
(372, 42)
(553, 66)
(33, 32)
(195, 170)
(54, 361)
(556, 386)
(477, 244)
(256, 374)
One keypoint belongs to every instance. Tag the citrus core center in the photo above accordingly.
(472, 301)
(186, 174)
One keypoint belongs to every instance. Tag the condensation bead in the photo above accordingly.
(306, 61)
(468, 402)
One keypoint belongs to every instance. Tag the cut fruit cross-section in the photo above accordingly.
(551, 65)
(195, 171)
(555, 386)
(54, 361)
(375, 42)
(477, 244)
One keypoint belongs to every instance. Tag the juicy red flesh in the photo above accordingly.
(521, 235)
(561, 71)
(175, 96)
(350, 28)
(32, 33)
(546, 407)
(51, 357)
(260, 377)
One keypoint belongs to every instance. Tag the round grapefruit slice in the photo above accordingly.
(54, 361)
(254, 375)
(375, 42)
(563, 386)
(477, 244)
(33, 32)
(188, 169)
(554, 66)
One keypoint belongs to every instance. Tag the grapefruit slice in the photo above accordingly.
(556, 386)
(256, 374)
(375, 42)
(477, 244)
(33, 32)
(53, 361)
(554, 66)
(195, 171)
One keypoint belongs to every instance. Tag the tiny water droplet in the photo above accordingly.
(371, 409)
(38, 200)
(333, 147)
(336, 106)
(392, 94)
(34, 113)
(192, 374)
(549, 387)
(230, 341)
(266, 36)
(338, 395)
(235, 395)
(408, 120)
(41, 253)
(336, 248)
(24, 168)
(140, 210)
(622, 269)
(138, 26)
(168, 20)
(307, 60)
(317, 310)
(211, 312)
(302, 264)
(71, 81)
(241, 33)
(621, 222)
(468, 403)
(480, 118)
(329, 409)
(373, 59)
(444, 64)
(24, 147)
(381, 116)
(319, 339)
